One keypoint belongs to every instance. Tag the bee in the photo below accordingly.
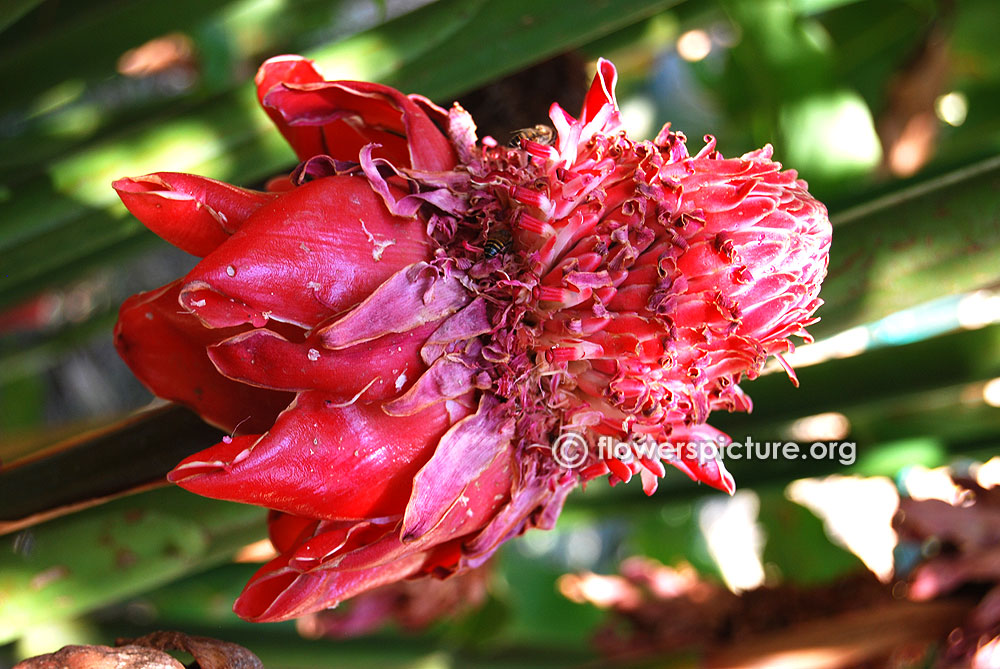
(499, 241)
(540, 133)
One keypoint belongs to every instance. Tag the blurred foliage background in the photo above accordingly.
(887, 108)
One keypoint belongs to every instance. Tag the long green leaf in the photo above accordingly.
(86, 100)
(940, 238)
(873, 376)
(503, 37)
(72, 565)
(13, 10)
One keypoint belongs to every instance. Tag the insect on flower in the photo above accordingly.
(540, 133)
(499, 241)
(391, 389)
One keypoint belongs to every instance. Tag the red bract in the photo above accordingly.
(413, 605)
(398, 332)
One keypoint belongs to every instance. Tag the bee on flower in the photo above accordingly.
(499, 241)
(540, 134)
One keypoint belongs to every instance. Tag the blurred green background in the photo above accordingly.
(886, 107)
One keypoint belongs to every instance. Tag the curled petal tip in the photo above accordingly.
(279, 592)
(219, 458)
(283, 59)
(183, 473)
(728, 483)
(194, 213)
(602, 91)
(267, 585)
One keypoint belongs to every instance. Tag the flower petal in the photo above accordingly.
(306, 141)
(308, 255)
(347, 115)
(195, 214)
(469, 322)
(323, 460)
(380, 368)
(702, 463)
(153, 328)
(412, 297)
(337, 536)
(480, 501)
(277, 592)
(463, 453)
(535, 502)
(286, 531)
(447, 378)
(602, 91)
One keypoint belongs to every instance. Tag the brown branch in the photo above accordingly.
(128, 456)
(856, 638)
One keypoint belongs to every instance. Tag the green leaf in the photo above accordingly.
(939, 238)
(27, 361)
(72, 565)
(863, 381)
(69, 51)
(86, 99)
(797, 543)
(200, 600)
(520, 32)
(12, 10)
(541, 614)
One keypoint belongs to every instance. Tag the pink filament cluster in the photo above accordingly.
(643, 281)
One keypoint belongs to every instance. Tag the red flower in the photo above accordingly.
(431, 313)
(412, 605)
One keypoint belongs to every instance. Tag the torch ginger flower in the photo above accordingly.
(396, 333)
